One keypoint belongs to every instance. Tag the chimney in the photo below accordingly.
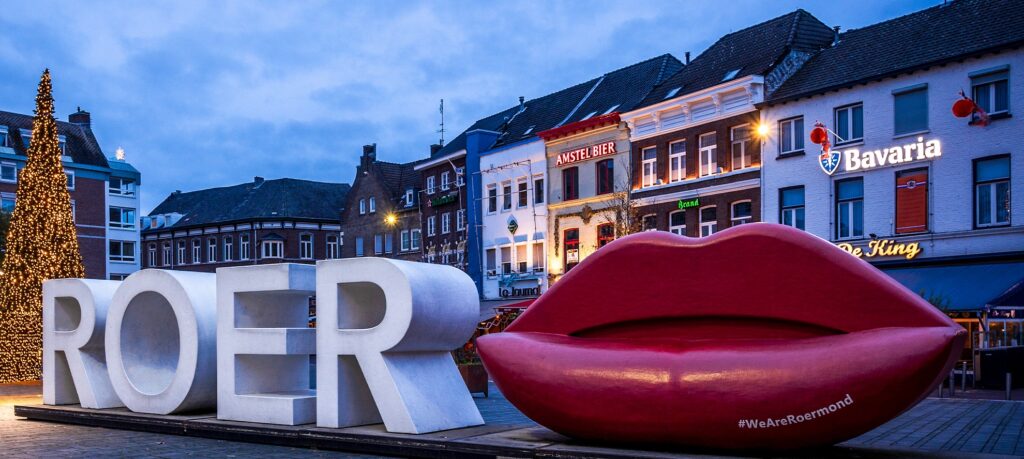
(80, 118)
(835, 35)
(368, 158)
(687, 58)
(435, 148)
(257, 180)
(522, 103)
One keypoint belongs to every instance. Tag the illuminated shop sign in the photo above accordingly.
(442, 200)
(586, 153)
(688, 203)
(884, 248)
(856, 160)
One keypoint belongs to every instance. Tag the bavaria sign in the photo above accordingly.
(855, 160)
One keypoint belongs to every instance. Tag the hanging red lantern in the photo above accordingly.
(963, 108)
(819, 135)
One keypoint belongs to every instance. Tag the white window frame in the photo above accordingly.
(306, 246)
(71, 179)
(789, 124)
(649, 167)
(460, 176)
(460, 219)
(121, 258)
(446, 223)
(846, 206)
(506, 196)
(734, 220)
(373, 205)
(708, 155)
(121, 224)
(677, 229)
(431, 225)
(409, 195)
(742, 144)
(180, 251)
(121, 190)
(522, 193)
(151, 254)
(502, 261)
(362, 206)
(538, 268)
(676, 162)
(272, 249)
(445, 181)
(430, 184)
(990, 81)
(405, 242)
(211, 250)
(227, 244)
(378, 244)
(197, 251)
(849, 127)
(415, 239)
(492, 192)
(167, 254)
(711, 226)
(538, 195)
(244, 247)
(521, 266)
(332, 248)
(389, 242)
(13, 167)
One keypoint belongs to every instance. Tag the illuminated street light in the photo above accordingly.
(391, 219)
(762, 130)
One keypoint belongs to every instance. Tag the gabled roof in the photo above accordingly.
(281, 198)
(928, 37)
(397, 178)
(491, 123)
(752, 51)
(81, 145)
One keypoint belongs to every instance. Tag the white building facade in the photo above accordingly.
(124, 231)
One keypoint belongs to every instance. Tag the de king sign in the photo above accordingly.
(164, 342)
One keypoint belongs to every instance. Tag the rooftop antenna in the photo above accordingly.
(441, 142)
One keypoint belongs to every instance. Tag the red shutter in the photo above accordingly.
(912, 201)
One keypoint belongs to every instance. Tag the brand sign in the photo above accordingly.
(688, 203)
(513, 225)
(442, 200)
(586, 153)
(855, 160)
(884, 248)
(519, 291)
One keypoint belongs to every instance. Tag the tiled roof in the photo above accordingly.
(751, 51)
(928, 37)
(398, 177)
(280, 198)
(81, 144)
(491, 123)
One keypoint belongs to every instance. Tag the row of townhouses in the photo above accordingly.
(694, 146)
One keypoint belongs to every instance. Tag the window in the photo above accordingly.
(166, 255)
(359, 246)
(708, 221)
(538, 256)
(373, 204)
(677, 161)
(910, 106)
(912, 201)
(538, 189)
(362, 207)
(506, 261)
(708, 154)
(181, 253)
(121, 186)
(444, 180)
(791, 207)
(123, 251)
(243, 247)
(571, 245)
(378, 244)
(491, 260)
(522, 196)
(404, 240)
(26, 138)
(742, 212)
(409, 197)
(211, 250)
(791, 135)
(605, 234)
(62, 143)
(849, 123)
(430, 185)
(7, 203)
(8, 172)
(460, 219)
(570, 183)
(431, 225)
(605, 176)
(71, 179)
(649, 167)
(415, 236)
(460, 176)
(992, 191)
(446, 223)
(649, 222)
(306, 246)
(850, 208)
(740, 138)
(121, 217)
(389, 243)
(5, 140)
(273, 249)
(492, 199)
(521, 259)
(197, 251)
(333, 248)
(506, 195)
(991, 89)
(228, 244)
(677, 222)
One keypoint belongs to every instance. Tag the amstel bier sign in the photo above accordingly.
(586, 153)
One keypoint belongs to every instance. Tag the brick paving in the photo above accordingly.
(947, 427)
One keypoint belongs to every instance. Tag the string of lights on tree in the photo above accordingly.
(41, 245)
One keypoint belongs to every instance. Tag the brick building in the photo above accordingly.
(382, 216)
(444, 199)
(263, 221)
(104, 191)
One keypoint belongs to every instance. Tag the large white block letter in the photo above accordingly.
(161, 341)
(384, 332)
(264, 344)
(74, 362)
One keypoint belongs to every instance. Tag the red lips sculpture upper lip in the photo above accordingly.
(761, 336)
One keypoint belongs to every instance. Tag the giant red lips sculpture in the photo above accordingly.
(761, 336)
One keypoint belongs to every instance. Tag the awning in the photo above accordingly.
(971, 287)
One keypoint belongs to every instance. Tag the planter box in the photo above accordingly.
(475, 377)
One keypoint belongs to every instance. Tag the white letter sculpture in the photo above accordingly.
(161, 341)
(385, 329)
(264, 344)
(74, 311)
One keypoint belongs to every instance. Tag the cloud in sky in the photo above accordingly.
(203, 94)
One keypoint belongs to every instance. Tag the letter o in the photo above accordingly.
(161, 340)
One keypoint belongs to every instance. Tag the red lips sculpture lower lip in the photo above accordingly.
(760, 336)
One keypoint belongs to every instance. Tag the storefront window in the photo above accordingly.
(572, 248)
(850, 208)
(792, 207)
(650, 166)
(570, 183)
(992, 191)
(911, 201)
(708, 221)
(605, 176)
(1005, 333)
(605, 234)
(677, 222)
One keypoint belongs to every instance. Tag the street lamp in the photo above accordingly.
(390, 219)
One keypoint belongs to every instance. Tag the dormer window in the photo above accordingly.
(409, 197)
(731, 74)
(63, 142)
(26, 138)
(611, 109)
(673, 92)
(4, 141)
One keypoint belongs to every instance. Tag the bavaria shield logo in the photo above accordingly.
(829, 161)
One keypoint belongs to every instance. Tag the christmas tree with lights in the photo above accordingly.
(41, 245)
